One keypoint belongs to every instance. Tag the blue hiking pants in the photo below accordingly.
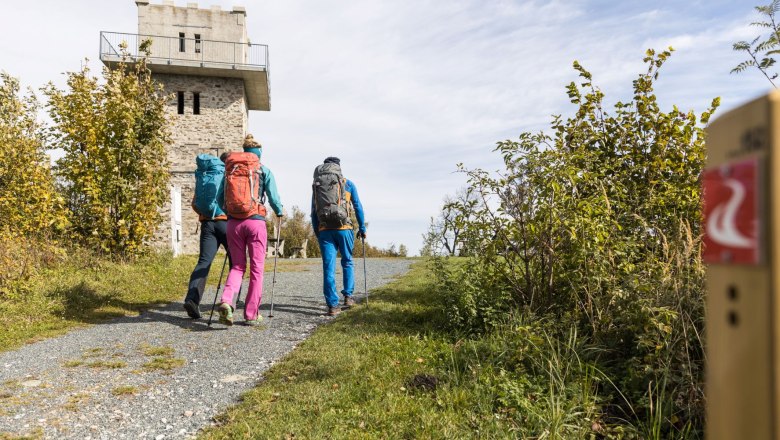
(332, 241)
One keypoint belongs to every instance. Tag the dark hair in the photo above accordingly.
(332, 159)
(223, 157)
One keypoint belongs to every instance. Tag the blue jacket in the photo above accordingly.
(352, 196)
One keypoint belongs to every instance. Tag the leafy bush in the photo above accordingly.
(114, 173)
(597, 225)
(29, 205)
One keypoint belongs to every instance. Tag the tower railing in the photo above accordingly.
(185, 51)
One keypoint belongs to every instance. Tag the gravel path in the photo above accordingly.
(107, 382)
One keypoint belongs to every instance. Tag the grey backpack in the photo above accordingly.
(330, 202)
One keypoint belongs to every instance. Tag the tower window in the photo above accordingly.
(197, 43)
(180, 102)
(195, 103)
(181, 42)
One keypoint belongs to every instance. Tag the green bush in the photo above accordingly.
(29, 204)
(597, 226)
(114, 173)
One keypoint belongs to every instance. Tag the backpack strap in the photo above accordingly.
(261, 184)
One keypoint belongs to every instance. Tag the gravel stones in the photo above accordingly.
(96, 383)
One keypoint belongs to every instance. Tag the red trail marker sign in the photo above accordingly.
(731, 214)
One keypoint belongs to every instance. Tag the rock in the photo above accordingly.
(188, 413)
(233, 378)
(31, 383)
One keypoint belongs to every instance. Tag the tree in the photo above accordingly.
(444, 234)
(296, 228)
(29, 204)
(114, 170)
(761, 49)
(31, 211)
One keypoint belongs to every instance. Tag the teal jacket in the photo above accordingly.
(269, 187)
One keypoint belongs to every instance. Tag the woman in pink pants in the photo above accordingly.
(248, 235)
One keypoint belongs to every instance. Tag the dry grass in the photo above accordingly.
(164, 363)
(124, 390)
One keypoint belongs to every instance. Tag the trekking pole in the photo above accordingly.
(240, 286)
(365, 277)
(276, 257)
(216, 295)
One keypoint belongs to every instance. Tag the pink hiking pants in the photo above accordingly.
(242, 236)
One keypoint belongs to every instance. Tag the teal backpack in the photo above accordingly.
(209, 178)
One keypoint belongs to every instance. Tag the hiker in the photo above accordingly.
(247, 183)
(209, 178)
(332, 196)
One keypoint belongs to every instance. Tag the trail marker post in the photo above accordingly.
(741, 186)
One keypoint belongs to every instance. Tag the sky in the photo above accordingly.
(404, 90)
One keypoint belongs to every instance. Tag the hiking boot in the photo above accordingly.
(254, 322)
(192, 309)
(348, 301)
(225, 314)
(333, 311)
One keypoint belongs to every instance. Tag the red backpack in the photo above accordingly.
(244, 192)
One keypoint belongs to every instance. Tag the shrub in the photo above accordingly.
(29, 205)
(114, 172)
(597, 224)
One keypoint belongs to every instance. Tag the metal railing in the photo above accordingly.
(185, 51)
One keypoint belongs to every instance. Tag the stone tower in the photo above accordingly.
(214, 75)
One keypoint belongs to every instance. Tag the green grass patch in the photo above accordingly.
(374, 372)
(73, 363)
(125, 390)
(76, 401)
(110, 365)
(151, 350)
(93, 352)
(164, 363)
(37, 434)
(292, 265)
(87, 290)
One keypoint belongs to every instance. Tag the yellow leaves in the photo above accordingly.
(28, 201)
(117, 194)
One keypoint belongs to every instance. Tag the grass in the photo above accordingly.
(151, 350)
(87, 290)
(36, 435)
(163, 363)
(125, 390)
(106, 364)
(76, 401)
(374, 372)
(73, 363)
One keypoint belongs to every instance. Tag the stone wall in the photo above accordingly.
(220, 127)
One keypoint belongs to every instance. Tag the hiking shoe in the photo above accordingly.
(333, 311)
(192, 309)
(226, 314)
(348, 301)
(253, 322)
